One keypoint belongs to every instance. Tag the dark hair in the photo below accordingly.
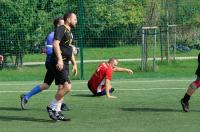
(56, 21)
(67, 15)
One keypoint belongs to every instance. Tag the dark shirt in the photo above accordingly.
(65, 37)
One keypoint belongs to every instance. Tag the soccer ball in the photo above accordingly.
(75, 50)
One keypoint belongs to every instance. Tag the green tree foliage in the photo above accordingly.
(108, 21)
(24, 24)
(188, 18)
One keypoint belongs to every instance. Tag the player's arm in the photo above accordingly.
(57, 51)
(1, 57)
(59, 33)
(120, 69)
(74, 69)
(108, 87)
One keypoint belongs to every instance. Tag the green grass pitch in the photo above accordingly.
(143, 105)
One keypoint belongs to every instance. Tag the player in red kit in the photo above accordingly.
(99, 83)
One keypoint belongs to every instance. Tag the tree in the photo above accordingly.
(109, 19)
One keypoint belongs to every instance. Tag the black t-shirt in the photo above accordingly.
(198, 68)
(65, 37)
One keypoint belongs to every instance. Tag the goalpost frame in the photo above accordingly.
(144, 56)
(167, 30)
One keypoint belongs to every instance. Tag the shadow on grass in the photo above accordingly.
(154, 110)
(19, 109)
(10, 108)
(21, 118)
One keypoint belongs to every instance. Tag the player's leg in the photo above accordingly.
(49, 77)
(35, 90)
(103, 91)
(190, 91)
(60, 96)
(64, 106)
(55, 105)
(101, 88)
(64, 86)
(62, 91)
(91, 89)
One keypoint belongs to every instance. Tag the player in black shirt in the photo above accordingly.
(62, 55)
(191, 89)
(49, 76)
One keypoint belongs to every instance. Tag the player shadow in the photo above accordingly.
(154, 110)
(84, 95)
(10, 109)
(20, 118)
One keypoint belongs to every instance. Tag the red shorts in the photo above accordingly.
(196, 83)
(99, 88)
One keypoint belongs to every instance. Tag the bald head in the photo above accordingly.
(113, 62)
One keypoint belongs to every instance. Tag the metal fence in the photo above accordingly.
(106, 28)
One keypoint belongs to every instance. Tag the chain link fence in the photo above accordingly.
(106, 28)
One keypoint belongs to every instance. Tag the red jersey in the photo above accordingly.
(104, 71)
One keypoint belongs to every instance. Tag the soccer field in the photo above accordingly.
(142, 106)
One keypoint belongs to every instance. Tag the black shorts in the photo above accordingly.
(62, 76)
(198, 68)
(198, 71)
(50, 74)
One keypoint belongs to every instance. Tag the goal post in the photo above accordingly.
(148, 32)
(167, 41)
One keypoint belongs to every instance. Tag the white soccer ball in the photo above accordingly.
(75, 50)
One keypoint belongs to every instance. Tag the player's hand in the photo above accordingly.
(129, 71)
(1, 59)
(75, 70)
(112, 97)
(60, 65)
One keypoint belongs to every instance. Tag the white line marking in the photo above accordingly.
(15, 84)
(122, 60)
(85, 82)
(142, 81)
(79, 90)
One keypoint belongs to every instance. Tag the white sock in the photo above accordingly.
(58, 108)
(53, 105)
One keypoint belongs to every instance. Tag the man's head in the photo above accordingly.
(70, 19)
(58, 22)
(113, 62)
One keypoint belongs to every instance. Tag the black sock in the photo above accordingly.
(186, 98)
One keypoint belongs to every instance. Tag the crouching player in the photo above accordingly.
(99, 83)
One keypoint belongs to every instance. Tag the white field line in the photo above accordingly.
(122, 60)
(116, 81)
(85, 82)
(142, 89)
